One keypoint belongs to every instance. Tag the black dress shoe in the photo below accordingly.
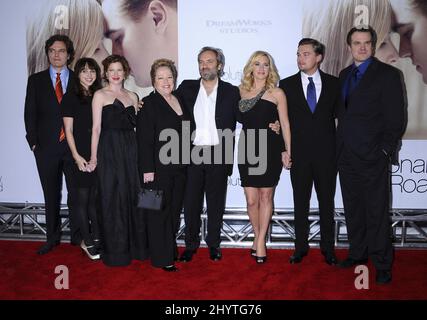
(215, 254)
(297, 257)
(383, 276)
(171, 268)
(331, 259)
(187, 255)
(349, 262)
(47, 247)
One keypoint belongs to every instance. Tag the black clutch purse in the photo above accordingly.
(150, 199)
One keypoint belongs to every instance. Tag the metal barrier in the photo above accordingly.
(26, 221)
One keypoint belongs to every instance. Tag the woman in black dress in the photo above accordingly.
(114, 154)
(262, 103)
(77, 115)
(162, 113)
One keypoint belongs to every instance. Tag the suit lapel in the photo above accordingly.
(70, 81)
(194, 93)
(323, 92)
(219, 99)
(49, 86)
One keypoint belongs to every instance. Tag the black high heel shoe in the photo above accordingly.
(253, 253)
(261, 259)
(170, 268)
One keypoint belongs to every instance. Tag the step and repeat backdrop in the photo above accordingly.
(177, 29)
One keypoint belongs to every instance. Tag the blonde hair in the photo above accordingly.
(248, 79)
(330, 22)
(86, 28)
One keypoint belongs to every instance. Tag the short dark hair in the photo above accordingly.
(369, 29)
(318, 47)
(113, 59)
(81, 64)
(220, 58)
(163, 63)
(68, 44)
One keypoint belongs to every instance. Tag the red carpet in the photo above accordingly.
(25, 275)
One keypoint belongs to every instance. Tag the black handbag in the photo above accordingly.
(150, 199)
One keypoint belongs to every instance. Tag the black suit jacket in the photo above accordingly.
(371, 121)
(312, 134)
(43, 119)
(226, 109)
(156, 116)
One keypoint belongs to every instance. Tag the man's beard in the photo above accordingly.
(208, 76)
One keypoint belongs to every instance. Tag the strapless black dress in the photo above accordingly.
(123, 229)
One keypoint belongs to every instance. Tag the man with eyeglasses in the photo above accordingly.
(45, 132)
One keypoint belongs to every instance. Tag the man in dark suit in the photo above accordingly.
(370, 125)
(212, 105)
(44, 127)
(312, 97)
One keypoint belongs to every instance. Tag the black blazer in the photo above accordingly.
(42, 115)
(312, 134)
(155, 116)
(372, 119)
(226, 110)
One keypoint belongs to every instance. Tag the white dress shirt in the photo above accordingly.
(317, 83)
(204, 116)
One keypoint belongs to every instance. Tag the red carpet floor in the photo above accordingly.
(25, 275)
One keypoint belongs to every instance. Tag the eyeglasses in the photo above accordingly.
(53, 51)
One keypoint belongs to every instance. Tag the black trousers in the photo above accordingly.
(212, 180)
(323, 174)
(83, 205)
(162, 226)
(366, 194)
(50, 166)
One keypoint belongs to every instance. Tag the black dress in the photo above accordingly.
(155, 117)
(256, 117)
(81, 112)
(123, 230)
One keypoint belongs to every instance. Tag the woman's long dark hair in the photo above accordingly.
(81, 91)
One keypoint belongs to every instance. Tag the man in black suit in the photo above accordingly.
(312, 97)
(44, 127)
(212, 105)
(370, 125)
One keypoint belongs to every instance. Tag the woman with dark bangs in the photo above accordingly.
(77, 116)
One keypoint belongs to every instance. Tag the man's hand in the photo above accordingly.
(140, 105)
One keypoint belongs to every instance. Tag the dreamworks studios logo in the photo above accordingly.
(238, 25)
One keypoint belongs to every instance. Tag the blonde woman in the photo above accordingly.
(262, 103)
(85, 29)
(329, 21)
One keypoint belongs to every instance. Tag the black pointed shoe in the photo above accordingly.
(297, 257)
(47, 247)
(187, 255)
(215, 254)
(170, 268)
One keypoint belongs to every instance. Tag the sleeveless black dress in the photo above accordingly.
(259, 170)
(123, 230)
